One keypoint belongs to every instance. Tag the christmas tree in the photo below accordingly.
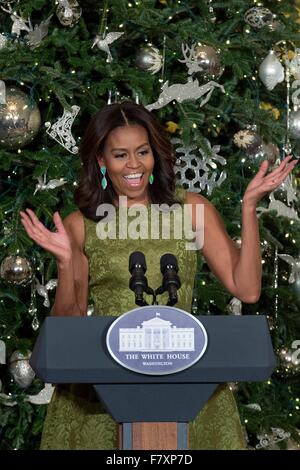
(223, 77)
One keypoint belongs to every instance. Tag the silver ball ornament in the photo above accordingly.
(20, 119)
(16, 270)
(296, 289)
(149, 59)
(251, 142)
(294, 124)
(271, 152)
(271, 71)
(20, 368)
(257, 17)
(69, 12)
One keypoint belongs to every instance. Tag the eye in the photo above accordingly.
(120, 155)
(144, 152)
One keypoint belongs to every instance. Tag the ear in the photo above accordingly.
(100, 160)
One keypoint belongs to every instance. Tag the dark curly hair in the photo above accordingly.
(89, 193)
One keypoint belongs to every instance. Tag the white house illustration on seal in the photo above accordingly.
(156, 334)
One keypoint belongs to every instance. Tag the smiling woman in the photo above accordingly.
(125, 154)
(128, 159)
(127, 144)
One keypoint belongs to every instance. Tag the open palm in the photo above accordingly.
(58, 243)
(264, 183)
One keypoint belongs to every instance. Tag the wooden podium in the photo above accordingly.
(158, 436)
(153, 411)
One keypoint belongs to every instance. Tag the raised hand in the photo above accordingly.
(264, 183)
(58, 243)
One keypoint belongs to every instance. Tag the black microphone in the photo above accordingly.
(138, 282)
(171, 281)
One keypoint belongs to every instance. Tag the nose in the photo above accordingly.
(132, 161)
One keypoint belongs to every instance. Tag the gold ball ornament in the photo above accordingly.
(292, 445)
(271, 323)
(16, 270)
(209, 61)
(268, 107)
(297, 182)
(172, 127)
(20, 119)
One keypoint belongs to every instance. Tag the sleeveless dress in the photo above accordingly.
(75, 417)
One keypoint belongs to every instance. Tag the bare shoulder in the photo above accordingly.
(211, 215)
(195, 198)
(74, 225)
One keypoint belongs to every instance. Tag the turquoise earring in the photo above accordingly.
(104, 180)
(151, 178)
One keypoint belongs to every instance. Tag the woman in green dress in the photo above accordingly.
(127, 161)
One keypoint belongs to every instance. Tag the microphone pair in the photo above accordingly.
(139, 284)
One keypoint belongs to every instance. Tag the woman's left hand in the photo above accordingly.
(263, 183)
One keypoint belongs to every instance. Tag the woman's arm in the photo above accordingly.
(239, 269)
(65, 302)
(72, 289)
(66, 244)
(248, 270)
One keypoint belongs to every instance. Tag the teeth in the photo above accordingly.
(134, 175)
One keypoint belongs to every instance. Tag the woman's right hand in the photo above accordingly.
(58, 243)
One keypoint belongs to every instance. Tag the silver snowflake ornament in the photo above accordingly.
(197, 172)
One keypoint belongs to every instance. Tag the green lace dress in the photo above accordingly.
(75, 418)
